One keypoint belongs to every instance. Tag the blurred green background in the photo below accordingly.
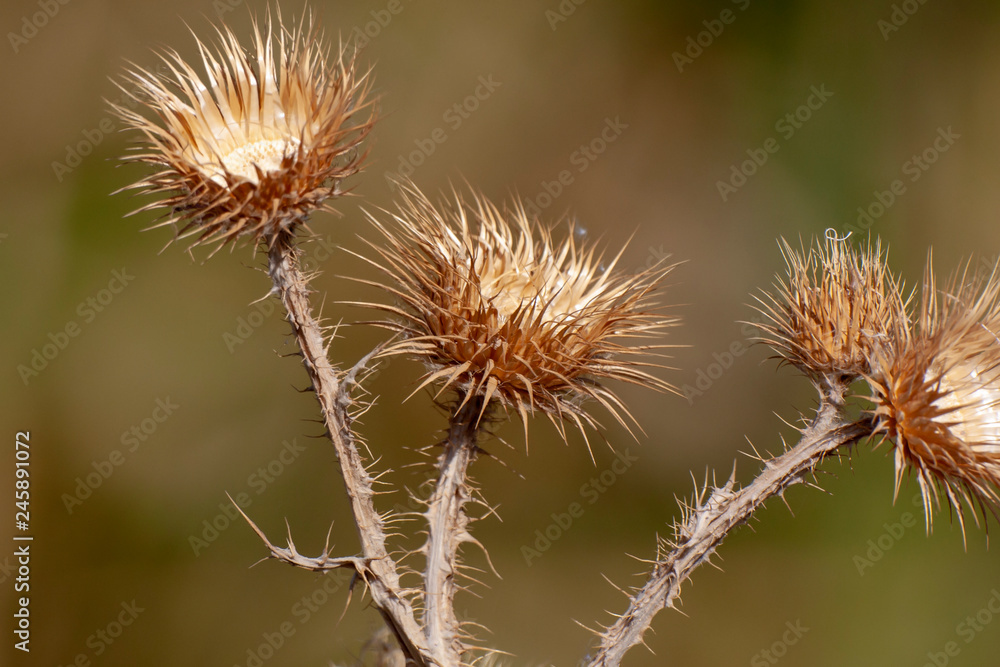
(559, 73)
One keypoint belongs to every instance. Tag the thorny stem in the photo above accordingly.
(707, 523)
(379, 570)
(447, 530)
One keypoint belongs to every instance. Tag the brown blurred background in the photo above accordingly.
(557, 79)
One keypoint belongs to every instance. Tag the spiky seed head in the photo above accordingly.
(834, 308)
(260, 142)
(936, 389)
(497, 308)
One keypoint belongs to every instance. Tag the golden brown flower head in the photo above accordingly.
(937, 394)
(260, 143)
(833, 310)
(498, 309)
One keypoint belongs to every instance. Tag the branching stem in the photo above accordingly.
(380, 574)
(707, 522)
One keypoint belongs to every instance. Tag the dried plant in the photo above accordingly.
(834, 310)
(936, 389)
(266, 142)
(839, 315)
(498, 309)
(511, 317)
(505, 317)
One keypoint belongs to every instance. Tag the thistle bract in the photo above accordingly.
(496, 307)
(936, 389)
(259, 143)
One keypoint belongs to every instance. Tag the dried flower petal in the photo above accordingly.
(937, 395)
(834, 310)
(496, 308)
(260, 143)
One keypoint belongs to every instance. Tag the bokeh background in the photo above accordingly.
(560, 72)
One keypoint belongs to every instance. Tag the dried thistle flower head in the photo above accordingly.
(260, 143)
(835, 307)
(498, 309)
(937, 395)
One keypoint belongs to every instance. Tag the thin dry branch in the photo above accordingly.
(447, 529)
(292, 556)
(380, 572)
(707, 522)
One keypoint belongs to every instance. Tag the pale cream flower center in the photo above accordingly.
(266, 154)
(539, 287)
(975, 404)
(240, 138)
